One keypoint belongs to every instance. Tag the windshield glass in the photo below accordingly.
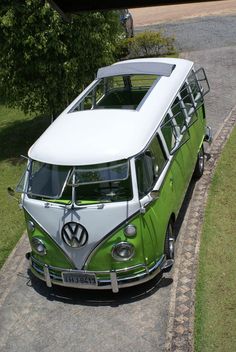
(108, 182)
(108, 172)
(47, 180)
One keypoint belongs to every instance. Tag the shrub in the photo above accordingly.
(147, 44)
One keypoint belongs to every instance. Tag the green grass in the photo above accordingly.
(215, 317)
(17, 133)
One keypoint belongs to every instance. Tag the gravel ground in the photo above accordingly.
(200, 33)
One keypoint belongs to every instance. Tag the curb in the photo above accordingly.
(180, 330)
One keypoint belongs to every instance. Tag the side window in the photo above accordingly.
(144, 171)
(169, 132)
(149, 166)
(187, 99)
(158, 155)
(202, 81)
(178, 114)
(195, 88)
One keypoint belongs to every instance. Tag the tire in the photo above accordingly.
(169, 248)
(200, 164)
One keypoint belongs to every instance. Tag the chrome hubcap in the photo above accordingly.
(201, 160)
(171, 247)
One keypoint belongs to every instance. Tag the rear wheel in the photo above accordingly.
(200, 164)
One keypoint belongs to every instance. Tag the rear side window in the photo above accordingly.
(187, 99)
(195, 88)
(149, 166)
(178, 114)
(169, 132)
(158, 154)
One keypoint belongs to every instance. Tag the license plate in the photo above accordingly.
(79, 279)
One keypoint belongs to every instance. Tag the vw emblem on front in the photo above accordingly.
(74, 234)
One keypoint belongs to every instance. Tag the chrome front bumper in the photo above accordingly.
(53, 275)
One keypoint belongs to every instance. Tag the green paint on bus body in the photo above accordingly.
(54, 254)
(157, 171)
(151, 226)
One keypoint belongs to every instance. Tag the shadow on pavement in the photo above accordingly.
(184, 207)
(99, 297)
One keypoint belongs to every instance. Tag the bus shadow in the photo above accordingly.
(184, 207)
(99, 297)
(17, 137)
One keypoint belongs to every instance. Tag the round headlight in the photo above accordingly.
(31, 226)
(38, 246)
(123, 251)
(130, 230)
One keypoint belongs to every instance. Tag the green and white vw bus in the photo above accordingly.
(105, 182)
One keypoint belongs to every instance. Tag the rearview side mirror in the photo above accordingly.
(155, 194)
(11, 191)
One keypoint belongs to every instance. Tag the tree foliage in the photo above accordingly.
(45, 61)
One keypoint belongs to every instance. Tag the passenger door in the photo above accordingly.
(152, 171)
(176, 136)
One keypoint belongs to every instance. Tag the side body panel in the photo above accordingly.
(155, 220)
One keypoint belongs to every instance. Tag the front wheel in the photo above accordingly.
(200, 164)
(169, 248)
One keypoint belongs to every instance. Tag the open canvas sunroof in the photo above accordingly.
(117, 92)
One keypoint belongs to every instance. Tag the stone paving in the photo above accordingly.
(179, 336)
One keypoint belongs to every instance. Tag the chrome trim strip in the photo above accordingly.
(56, 268)
(114, 283)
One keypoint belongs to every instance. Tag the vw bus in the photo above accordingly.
(105, 182)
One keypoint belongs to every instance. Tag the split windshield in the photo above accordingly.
(93, 183)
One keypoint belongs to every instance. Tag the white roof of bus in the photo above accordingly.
(105, 135)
